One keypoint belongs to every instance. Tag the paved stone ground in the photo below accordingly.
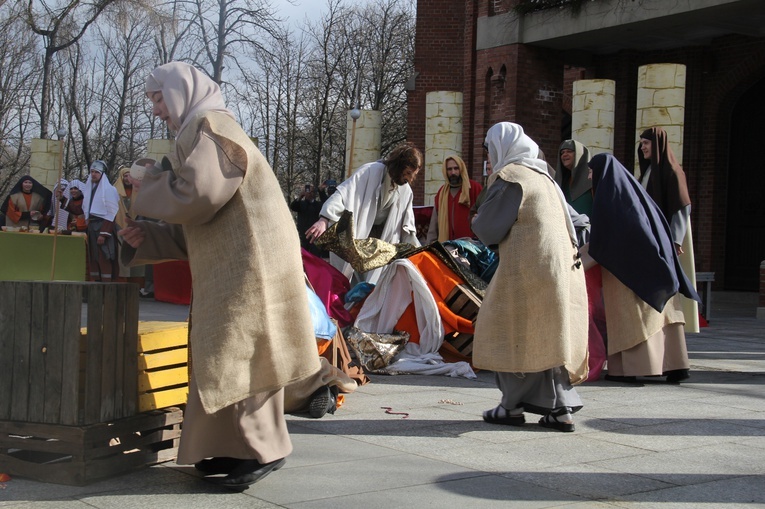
(697, 445)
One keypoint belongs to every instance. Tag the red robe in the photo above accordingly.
(459, 215)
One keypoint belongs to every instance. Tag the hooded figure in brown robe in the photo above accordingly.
(221, 207)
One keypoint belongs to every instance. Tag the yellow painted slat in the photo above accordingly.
(148, 381)
(162, 399)
(164, 337)
(167, 358)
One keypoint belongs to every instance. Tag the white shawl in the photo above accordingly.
(106, 202)
(361, 194)
(507, 143)
(399, 284)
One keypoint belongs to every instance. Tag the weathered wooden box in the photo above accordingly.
(45, 378)
(77, 455)
(73, 375)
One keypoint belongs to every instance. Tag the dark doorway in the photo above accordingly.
(745, 227)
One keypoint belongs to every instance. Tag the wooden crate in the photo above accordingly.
(163, 376)
(465, 303)
(77, 455)
(43, 375)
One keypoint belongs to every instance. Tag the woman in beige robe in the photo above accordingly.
(221, 208)
(532, 326)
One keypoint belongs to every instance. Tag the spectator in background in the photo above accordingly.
(308, 206)
(26, 204)
(100, 205)
(451, 217)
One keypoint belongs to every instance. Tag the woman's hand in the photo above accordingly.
(318, 228)
(679, 249)
(133, 234)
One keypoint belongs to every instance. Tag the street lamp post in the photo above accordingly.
(61, 133)
(355, 115)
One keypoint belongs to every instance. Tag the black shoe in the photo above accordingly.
(677, 375)
(221, 465)
(323, 401)
(145, 295)
(622, 379)
(246, 473)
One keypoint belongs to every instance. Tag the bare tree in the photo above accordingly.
(19, 83)
(60, 26)
(225, 28)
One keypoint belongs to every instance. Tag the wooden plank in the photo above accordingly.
(52, 431)
(54, 352)
(118, 373)
(130, 380)
(7, 319)
(37, 353)
(70, 351)
(163, 399)
(110, 345)
(94, 353)
(171, 337)
(153, 380)
(151, 360)
(21, 331)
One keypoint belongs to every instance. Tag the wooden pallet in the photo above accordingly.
(78, 455)
(463, 302)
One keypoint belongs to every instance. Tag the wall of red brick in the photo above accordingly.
(717, 75)
(532, 86)
(762, 285)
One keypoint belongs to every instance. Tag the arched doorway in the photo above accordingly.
(745, 225)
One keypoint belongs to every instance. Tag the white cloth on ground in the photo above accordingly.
(399, 284)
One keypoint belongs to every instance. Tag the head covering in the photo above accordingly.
(75, 183)
(186, 91)
(37, 188)
(508, 144)
(102, 202)
(443, 203)
(99, 166)
(576, 178)
(630, 236)
(118, 184)
(666, 184)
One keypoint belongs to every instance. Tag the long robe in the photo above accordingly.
(251, 328)
(362, 194)
(458, 213)
(534, 315)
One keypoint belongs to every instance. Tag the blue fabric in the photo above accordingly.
(483, 261)
(631, 238)
(359, 292)
(323, 326)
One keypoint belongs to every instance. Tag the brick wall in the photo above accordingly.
(761, 302)
(717, 75)
(439, 60)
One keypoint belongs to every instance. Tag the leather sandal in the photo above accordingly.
(501, 415)
(218, 465)
(551, 422)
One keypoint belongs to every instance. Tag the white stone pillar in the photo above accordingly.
(661, 103)
(367, 143)
(443, 136)
(45, 161)
(157, 149)
(592, 115)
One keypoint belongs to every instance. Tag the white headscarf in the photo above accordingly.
(105, 203)
(186, 91)
(507, 143)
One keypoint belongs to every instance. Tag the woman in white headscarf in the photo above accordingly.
(223, 210)
(532, 327)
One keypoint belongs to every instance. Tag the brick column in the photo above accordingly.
(592, 114)
(443, 136)
(368, 140)
(45, 161)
